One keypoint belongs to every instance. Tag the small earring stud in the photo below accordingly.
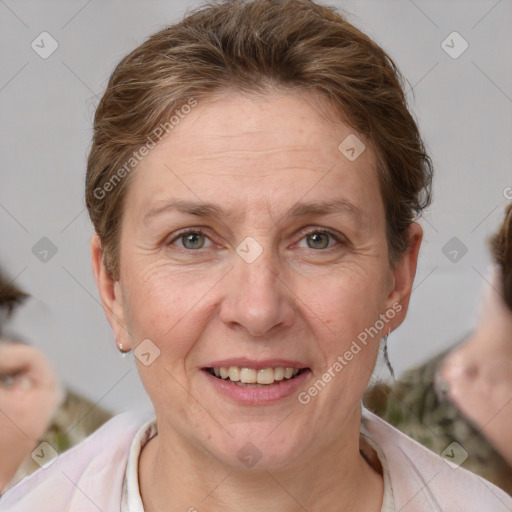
(122, 350)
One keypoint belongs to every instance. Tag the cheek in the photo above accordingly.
(352, 309)
(348, 305)
(166, 306)
(348, 301)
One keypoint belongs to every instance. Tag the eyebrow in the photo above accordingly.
(301, 209)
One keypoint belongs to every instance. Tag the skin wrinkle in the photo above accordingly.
(256, 152)
(292, 302)
(338, 206)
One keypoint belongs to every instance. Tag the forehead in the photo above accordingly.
(254, 152)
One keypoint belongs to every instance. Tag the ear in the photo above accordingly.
(403, 277)
(111, 295)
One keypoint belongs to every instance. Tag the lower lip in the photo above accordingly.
(258, 395)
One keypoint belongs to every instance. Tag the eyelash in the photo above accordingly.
(324, 231)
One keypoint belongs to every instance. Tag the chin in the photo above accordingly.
(260, 447)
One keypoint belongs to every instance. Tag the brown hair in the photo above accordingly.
(10, 295)
(257, 46)
(501, 251)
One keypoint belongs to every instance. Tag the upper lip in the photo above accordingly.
(244, 362)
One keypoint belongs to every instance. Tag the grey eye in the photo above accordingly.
(6, 381)
(318, 240)
(193, 240)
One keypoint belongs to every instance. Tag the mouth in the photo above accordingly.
(253, 377)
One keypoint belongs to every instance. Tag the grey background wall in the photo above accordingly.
(461, 96)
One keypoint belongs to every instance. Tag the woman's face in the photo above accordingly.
(251, 242)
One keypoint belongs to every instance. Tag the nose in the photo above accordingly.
(258, 299)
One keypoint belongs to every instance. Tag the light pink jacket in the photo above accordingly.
(89, 476)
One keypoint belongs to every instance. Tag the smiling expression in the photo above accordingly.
(252, 254)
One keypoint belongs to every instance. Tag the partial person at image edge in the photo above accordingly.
(70, 416)
(421, 403)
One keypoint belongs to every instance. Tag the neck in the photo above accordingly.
(333, 476)
(492, 338)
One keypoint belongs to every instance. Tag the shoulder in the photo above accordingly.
(422, 481)
(86, 477)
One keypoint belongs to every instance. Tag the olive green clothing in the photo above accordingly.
(420, 408)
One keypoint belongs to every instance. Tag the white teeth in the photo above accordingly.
(264, 376)
(234, 373)
(248, 375)
(279, 374)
